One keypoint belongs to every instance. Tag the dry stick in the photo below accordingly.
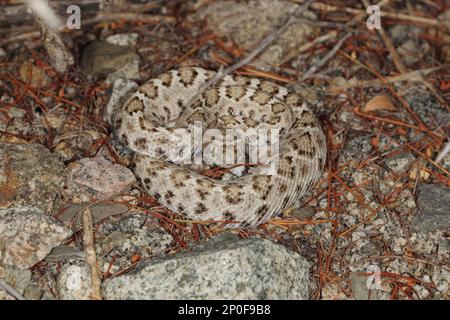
(260, 48)
(91, 258)
(325, 59)
(10, 290)
(60, 58)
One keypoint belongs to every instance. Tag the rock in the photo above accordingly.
(123, 39)
(16, 278)
(136, 235)
(360, 290)
(32, 292)
(97, 178)
(74, 282)
(357, 148)
(224, 268)
(31, 179)
(34, 76)
(434, 208)
(409, 43)
(400, 163)
(248, 22)
(99, 211)
(427, 107)
(331, 291)
(65, 253)
(303, 213)
(412, 52)
(101, 59)
(27, 237)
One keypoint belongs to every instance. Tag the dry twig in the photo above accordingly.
(60, 58)
(91, 258)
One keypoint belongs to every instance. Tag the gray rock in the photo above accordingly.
(360, 290)
(97, 178)
(427, 107)
(134, 235)
(248, 22)
(123, 39)
(27, 237)
(303, 213)
(16, 278)
(357, 148)
(71, 214)
(74, 282)
(31, 179)
(224, 268)
(400, 162)
(101, 59)
(434, 208)
(410, 45)
(65, 253)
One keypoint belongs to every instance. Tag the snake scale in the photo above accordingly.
(153, 123)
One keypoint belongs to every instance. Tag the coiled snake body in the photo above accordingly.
(149, 123)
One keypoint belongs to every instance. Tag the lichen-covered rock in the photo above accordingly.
(74, 282)
(31, 178)
(224, 268)
(27, 237)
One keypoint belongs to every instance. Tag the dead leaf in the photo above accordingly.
(381, 102)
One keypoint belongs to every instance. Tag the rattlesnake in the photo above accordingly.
(149, 124)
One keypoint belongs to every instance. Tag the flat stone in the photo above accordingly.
(71, 213)
(31, 179)
(101, 59)
(248, 22)
(97, 179)
(223, 268)
(27, 237)
(16, 278)
(434, 208)
(400, 162)
(303, 213)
